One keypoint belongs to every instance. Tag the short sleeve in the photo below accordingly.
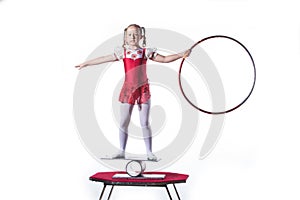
(151, 53)
(119, 53)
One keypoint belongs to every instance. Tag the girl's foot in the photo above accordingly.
(120, 154)
(151, 156)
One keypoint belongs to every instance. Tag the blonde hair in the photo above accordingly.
(142, 31)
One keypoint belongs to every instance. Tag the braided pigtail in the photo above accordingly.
(143, 33)
(124, 36)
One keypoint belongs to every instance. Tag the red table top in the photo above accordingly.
(170, 178)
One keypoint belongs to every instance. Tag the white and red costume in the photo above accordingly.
(136, 87)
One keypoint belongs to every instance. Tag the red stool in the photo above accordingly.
(108, 179)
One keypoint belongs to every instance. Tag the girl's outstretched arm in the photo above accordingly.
(171, 58)
(96, 61)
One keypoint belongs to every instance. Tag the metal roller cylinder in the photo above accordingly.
(135, 168)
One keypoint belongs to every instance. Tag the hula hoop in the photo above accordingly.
(229, 110)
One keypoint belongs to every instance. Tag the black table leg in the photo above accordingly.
(112, 187)
(176, 191)
(168, 192)
(102, 192)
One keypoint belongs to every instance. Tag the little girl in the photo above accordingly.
(135, 89)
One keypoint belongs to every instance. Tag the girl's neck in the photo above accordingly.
(135, 47)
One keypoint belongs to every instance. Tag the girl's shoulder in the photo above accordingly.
(119, 52)
(150, 52)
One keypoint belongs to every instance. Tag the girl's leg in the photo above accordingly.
(144, 112)
(125, 115)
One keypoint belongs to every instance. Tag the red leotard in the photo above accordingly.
(136, 86)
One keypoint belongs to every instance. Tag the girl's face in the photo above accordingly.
(133, 36)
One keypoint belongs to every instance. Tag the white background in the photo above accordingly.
(40, 152)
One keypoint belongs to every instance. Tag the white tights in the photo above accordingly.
(125, 112)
